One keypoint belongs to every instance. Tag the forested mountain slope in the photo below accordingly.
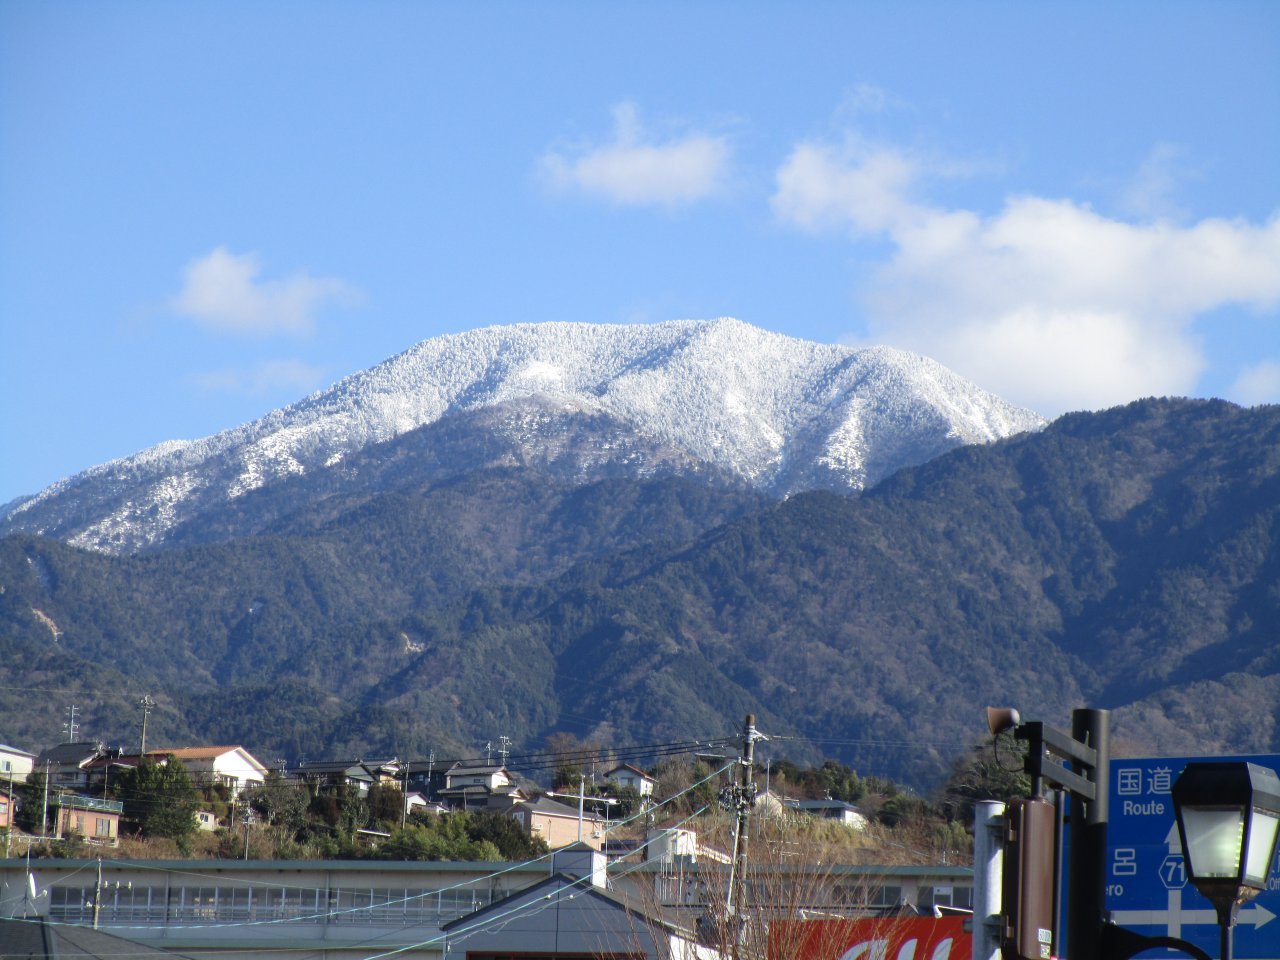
(1127, 559)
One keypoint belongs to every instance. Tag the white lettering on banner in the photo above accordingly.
(877, 949)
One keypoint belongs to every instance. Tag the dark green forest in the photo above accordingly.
(1126, 559)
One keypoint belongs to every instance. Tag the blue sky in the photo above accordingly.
(209, 210)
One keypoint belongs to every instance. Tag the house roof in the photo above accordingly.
(463, 767)
(38, 937)
(551, 808)
(356, 769)
(76, 753)
(124, 760)
(204, 753)
(628, 768)
(5, 748)
(582, 887)
(821, 805)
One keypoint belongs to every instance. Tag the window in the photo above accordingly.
(103, 827)
(71, 904)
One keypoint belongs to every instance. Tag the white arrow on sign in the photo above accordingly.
(1174, 918)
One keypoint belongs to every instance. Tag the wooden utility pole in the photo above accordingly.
(44, 813)
(743, 799)
(97, 896)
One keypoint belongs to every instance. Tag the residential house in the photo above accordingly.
(6, 807)
(92, 818)
(481, 787)
(625, 775)
(105, 771)
(558, 824)
(232, 767)
(417, 802)
(68, 763)
(207, 821)
(356, 775)
(426, 778)
(15, 764)
(829, 809)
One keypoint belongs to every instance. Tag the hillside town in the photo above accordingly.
(213, 820)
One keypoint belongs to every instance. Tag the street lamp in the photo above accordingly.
(1228, 814)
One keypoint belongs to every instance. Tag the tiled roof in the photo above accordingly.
(71, 752)
(553, 809)
(630, 769)
(192, 753)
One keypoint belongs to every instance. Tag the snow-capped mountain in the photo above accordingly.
(783, 414)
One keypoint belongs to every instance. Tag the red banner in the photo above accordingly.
(898, 938)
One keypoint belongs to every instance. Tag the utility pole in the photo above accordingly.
(740, 797)
(504, 748)
(582, 799)
(44, 813)
(404, 797)
(97, 896)
(744, 798)
(8, 833)
(147, 704)
(245, 820)
(488, 753)
(71, 726)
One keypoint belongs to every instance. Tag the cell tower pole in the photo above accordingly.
(146, 703)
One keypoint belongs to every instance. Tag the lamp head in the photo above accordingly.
(1000, 719)
(1229, 821)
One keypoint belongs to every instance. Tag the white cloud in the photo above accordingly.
(222, 292)
(630, 170)
(1047, 302)
(271, 376)
(1259, 383)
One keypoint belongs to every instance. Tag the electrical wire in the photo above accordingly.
(335, 913)
(551, 899)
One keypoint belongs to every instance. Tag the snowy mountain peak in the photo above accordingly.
(784, 414)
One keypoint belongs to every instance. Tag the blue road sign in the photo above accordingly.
(1147, 888)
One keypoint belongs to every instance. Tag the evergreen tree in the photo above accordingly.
(30, 802)
(159, 799)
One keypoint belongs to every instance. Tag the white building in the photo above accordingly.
(234, 767)
(15, 764)
(625, 775)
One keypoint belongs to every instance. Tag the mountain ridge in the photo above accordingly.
(785, 415)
